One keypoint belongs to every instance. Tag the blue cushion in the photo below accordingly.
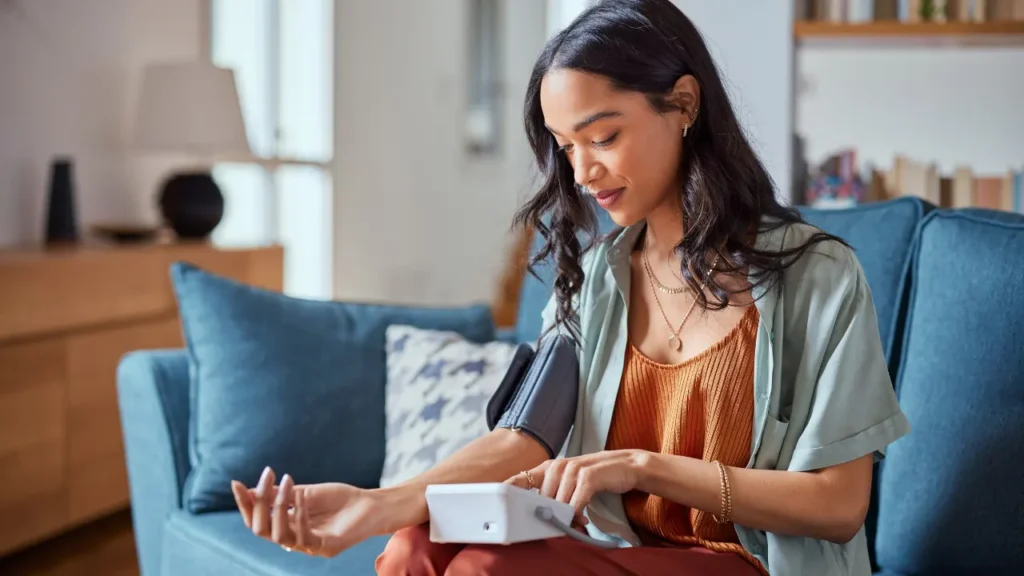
(219, 543)
(294, 384)
(950, 497)
(881, 234)
(536, 292)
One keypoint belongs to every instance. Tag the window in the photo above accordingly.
(282, 55)
(484, 114)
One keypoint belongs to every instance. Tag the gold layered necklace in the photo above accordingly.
(674, 341)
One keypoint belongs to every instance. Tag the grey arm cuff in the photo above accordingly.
(539, 393)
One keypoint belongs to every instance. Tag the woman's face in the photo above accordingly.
(621, 149)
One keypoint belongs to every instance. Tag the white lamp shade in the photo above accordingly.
(191, 107)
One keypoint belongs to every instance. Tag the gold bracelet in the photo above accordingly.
(726, 516)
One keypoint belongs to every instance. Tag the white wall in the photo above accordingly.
(68, 71)
(416, 220)
(752, 43)
(561, 13)
(949, 105)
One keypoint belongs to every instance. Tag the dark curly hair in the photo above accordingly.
(646, 46)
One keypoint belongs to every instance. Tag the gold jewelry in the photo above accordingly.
(726, 516)
(674, 341)
(660, 286)
(529, 480)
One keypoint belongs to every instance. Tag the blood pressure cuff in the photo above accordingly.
(539, 392)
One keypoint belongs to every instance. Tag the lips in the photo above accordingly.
(608, 197)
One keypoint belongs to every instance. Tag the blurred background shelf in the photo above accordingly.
(929, 33)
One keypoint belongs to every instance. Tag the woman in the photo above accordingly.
(735, 390)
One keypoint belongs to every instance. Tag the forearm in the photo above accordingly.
(491, 458)
(824, 506)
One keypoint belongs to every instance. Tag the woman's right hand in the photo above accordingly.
(317, 519)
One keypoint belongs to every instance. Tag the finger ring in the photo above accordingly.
(286, 549)
(529, 480)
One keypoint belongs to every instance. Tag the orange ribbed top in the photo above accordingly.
(702, 408)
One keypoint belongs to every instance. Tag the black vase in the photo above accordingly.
(61, 218)
(192, 205)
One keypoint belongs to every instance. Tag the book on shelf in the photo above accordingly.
(909, 11)
(964, 188)
(838, 183)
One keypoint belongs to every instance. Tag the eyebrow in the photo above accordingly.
(588, 121)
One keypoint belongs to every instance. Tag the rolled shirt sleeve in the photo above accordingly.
(852, 409)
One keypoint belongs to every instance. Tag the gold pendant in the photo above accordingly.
(675, 343)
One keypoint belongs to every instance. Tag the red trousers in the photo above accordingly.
(410, 552)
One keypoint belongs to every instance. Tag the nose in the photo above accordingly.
(585, 169)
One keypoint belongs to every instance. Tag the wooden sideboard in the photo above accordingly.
(66, 318)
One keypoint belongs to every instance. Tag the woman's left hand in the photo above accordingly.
(576, 480)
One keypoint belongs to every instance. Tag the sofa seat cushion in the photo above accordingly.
(881, 235)
(219, 543)
(950, 495)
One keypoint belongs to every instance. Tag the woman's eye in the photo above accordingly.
(603, 143)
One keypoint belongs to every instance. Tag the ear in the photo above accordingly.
(686, 95)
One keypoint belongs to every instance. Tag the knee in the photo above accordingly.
(409, 552)
(497, 560)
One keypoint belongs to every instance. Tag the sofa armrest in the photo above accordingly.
(153, 399)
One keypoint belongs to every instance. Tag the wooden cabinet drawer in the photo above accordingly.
(97, 480)
(33, 400)
(107, 288)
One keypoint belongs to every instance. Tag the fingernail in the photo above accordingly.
(282, 493)
(264, 484)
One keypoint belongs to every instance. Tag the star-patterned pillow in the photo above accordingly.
(438, 385)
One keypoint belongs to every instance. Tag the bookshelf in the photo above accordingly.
(1009, 32)
(952, 27)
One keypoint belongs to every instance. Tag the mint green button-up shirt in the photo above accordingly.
(822, 392)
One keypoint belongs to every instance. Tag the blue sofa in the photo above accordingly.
(949, 498)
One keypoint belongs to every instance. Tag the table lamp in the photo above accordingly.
(191, 107)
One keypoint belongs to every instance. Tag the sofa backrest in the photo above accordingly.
(881, 235)
(951, 494)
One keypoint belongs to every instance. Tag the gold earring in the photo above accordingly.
(690, 116)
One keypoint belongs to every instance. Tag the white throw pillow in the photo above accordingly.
(438, 385)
